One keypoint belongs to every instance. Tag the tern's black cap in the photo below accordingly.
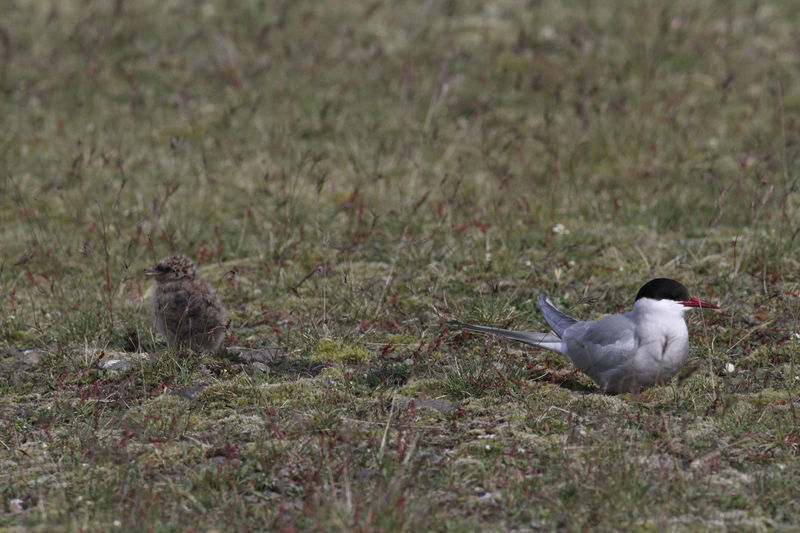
(663, 289)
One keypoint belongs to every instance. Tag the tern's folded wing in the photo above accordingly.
(596, 347)
(557, 320)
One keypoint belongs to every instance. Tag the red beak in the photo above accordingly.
(694, 302)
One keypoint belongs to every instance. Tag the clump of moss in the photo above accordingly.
(765, 356)
(234, 395)
(337, 350)
(401, 339)
(15, 337)
(768, 397)
(416, 386)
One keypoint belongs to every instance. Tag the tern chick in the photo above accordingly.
(187, 311)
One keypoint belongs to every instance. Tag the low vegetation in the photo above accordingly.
(352, 175)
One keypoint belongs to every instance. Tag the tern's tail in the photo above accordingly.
(557, 320)
(540, 340)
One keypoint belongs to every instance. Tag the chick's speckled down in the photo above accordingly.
(187, 311)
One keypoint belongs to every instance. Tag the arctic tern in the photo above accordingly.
(624, 352)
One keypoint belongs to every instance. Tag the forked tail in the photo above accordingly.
(540, 340)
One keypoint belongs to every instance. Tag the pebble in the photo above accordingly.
(16, 505)
(117, 365)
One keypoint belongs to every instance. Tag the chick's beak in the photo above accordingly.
(150, 271)
(694, 302)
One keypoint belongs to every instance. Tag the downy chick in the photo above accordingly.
(187, 311)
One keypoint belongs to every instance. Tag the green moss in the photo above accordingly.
(401, 339)
(339, 351)
(769, 398)
(18, 337)
(235, 395)
(417, 386)
(304, 392)
(331, 373)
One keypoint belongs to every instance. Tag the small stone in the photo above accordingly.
(33, 356)
(16, 505)
(116, 365)
(190, 392)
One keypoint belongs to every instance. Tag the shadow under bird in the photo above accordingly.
(624, 352)
(187, 311)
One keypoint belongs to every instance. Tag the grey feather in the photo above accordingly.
(597, 347)
(540, 340)
(557, 320)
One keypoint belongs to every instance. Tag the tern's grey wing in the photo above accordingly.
(557, 320)
(600, 349)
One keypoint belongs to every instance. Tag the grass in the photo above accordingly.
(350, 176)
